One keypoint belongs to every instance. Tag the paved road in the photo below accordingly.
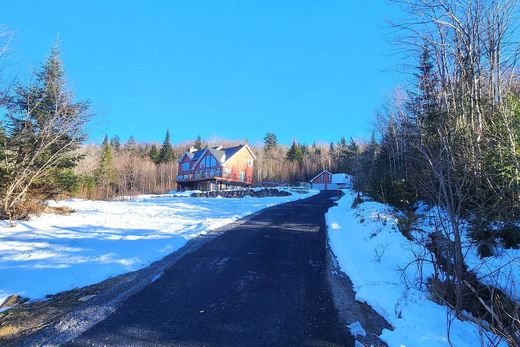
(261, 283)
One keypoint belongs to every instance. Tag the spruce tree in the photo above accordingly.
(295, 154)
(198, 143)
(44, 127)
(154, 154)
(270, 143)
(166, 154)
(106, 174)
(115, 142)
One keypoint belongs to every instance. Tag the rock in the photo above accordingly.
(13, 300)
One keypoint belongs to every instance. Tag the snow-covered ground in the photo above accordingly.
(379, 261)
(52, 253)
(501, 270)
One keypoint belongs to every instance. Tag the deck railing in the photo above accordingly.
(213, 173)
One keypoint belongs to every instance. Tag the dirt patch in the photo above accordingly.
(352, 311)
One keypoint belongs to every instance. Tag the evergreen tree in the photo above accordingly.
(106, 174)
(105, 141)
(198, 143)
(295, 154)
(333, 157)
(270, 143)
(115, 142)
(154, 154)
(44, 128)
(166, 154)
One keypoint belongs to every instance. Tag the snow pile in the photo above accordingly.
(380, 262)
(53, 253)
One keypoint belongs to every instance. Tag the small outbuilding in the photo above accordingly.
(326, 180)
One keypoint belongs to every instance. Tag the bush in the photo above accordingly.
(510, 235)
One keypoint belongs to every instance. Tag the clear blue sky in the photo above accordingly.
(305, 70)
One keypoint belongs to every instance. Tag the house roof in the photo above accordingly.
(220, 153)
(321, 173)
(336, 178)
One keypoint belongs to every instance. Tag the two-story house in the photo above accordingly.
(216, 168)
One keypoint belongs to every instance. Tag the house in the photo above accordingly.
(216, 168)
(326, 180)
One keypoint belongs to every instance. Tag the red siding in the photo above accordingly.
(324, 177)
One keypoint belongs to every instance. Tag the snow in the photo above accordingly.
(340, 178)
(501, 270)
(53, 253)
(356, 329)
(379, 261)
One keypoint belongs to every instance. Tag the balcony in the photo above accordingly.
(201, 175)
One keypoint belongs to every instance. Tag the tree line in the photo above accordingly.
(451, 138)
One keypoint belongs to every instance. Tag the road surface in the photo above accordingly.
(261, 283)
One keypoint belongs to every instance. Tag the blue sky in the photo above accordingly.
(305, 70)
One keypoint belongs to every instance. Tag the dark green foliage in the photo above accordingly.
(509, 233)
(154, 154)
(106, 174)
(295, 153)
(42, 131)
(270, 142)
(166, 154)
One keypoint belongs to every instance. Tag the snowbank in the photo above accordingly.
(378, 259)
(53, 253)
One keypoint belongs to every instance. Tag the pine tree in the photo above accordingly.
(44, 128)
(333, 157)
(154, 154)
(115, 142)
(295, 154)
(166, 154)
(270, 143)
(198, 143)
(106, 174)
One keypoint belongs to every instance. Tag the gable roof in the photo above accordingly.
(221, 154)
(321, 173)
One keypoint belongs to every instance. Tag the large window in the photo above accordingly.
(250, 163)
(208, 161)
(185, 166)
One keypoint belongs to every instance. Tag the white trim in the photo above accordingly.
(321, 173)
(244, 146)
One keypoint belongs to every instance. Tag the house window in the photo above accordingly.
(242, 176)
(250, 163)
(209, 161)
(185, 166)
(227, 172)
